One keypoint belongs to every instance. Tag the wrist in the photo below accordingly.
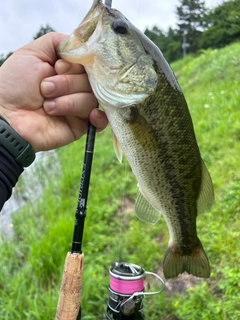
(20, 149)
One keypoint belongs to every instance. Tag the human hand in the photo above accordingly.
(46, 100)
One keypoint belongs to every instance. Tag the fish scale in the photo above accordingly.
(151, 125)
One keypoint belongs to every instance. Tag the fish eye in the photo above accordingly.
(120, 26)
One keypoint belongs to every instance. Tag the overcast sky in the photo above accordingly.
(20, 20)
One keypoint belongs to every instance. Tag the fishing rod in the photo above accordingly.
(108, 3)
(126, 289)
(69, 307)
(70, 292)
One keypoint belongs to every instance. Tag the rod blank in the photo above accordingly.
(70, 292)
(108, 3)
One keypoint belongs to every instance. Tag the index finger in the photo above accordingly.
(45, 47)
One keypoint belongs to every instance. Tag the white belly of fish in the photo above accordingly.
(154, 196)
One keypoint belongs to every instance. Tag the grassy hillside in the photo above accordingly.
(31, 264)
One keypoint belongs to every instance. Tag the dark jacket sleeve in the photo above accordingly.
(10, 171)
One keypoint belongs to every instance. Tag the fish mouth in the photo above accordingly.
(67, 48)
(76, 48)
(89, 22)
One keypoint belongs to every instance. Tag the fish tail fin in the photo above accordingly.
(195, 263)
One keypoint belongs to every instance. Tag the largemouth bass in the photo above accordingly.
(151, 125)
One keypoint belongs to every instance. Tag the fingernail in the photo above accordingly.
(49, 105)
(47, 87)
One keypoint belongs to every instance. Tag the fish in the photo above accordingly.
(151, 126)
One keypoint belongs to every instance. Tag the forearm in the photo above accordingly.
(10, 171)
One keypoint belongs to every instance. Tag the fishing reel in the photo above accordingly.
(126, 291)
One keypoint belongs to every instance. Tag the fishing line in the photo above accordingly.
(138, 14)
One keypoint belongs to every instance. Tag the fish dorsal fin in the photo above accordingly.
(206, 194)
(117, 147)
(144, 211)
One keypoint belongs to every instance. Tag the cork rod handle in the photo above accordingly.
(71, 287)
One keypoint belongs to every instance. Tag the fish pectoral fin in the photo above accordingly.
(117, 148)
(144, 211)
(206, 194)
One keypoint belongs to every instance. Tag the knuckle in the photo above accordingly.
(67, 84)
(70, 103)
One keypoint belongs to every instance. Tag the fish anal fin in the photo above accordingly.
(117, 148)
(195, 263)
(144, 211)
(206, 194)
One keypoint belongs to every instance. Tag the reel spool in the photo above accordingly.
(126, 291)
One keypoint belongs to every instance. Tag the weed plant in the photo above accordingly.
(32, 262)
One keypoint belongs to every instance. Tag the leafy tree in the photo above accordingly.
(224, 25)
(190, 15)
(4, 58)
(169, 42)
(173, 49)
(43, 30)
(157, 36)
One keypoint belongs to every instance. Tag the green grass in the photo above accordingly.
(31, 264)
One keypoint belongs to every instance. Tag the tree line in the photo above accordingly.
(198, 27)
(43, 30)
